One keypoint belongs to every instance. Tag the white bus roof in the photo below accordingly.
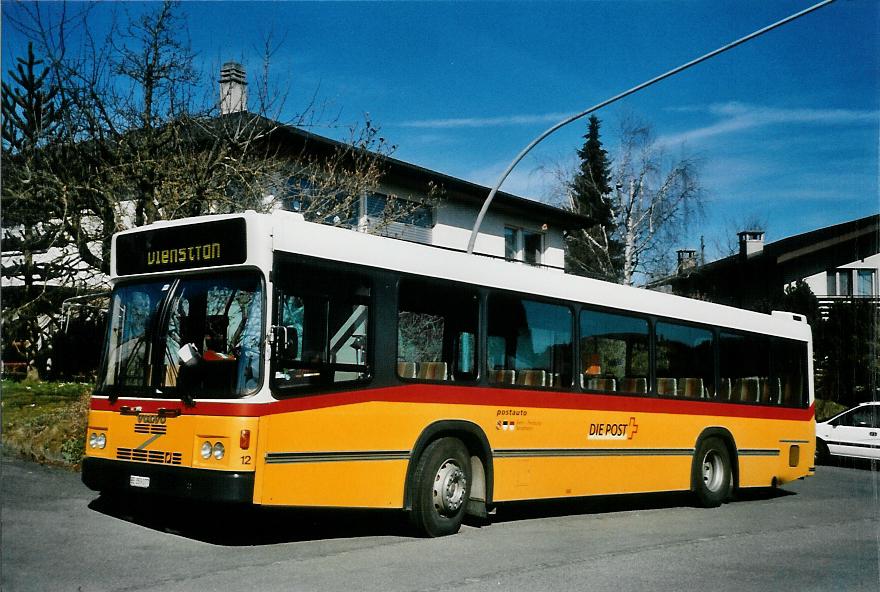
(339, 244)
(290, 233)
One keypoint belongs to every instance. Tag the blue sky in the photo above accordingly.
(786, 126)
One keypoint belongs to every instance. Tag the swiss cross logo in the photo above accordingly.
(633, 427)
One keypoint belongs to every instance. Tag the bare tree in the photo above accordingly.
(138, 140)
(654, 199)
(327, 185)
(143, 148)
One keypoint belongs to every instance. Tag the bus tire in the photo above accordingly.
(712, 475)
(441, 488)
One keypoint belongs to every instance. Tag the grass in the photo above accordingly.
(45, 421)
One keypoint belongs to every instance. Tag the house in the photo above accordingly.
(841, 266)
(838, 262)
(515, 228)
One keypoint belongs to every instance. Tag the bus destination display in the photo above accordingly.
(223, 242)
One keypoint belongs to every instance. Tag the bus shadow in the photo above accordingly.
(761, 493)
(849, 462)
(236, 526)
(244, 526)
(609, 504)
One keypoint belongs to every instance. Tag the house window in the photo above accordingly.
(404, 211)
(865, 282)
(523, 245)
(319, 205)
(840, 282)
(533, 247)
(844, 282)
(298, 196)
(510, 248)
(375, 205)
(831, 283)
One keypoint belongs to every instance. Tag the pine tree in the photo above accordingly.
(591, 250)
(32, 223)
(591, 185)
(30, 111)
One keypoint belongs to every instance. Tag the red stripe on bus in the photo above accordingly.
(452, 395)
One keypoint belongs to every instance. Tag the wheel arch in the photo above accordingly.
(478, 447)
(725, 436)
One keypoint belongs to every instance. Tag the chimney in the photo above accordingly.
(233, 88)
(751, 243)
(687, 260)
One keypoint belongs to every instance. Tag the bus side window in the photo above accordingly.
(436, 332)
(788, 365)
(745, 365)
(614, 352)
(685, 361)
(529, 342)
(321, 328)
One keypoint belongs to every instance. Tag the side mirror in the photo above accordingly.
(189, 355)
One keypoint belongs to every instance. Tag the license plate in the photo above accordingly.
(138, 481)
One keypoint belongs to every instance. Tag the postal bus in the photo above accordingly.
(263, 359)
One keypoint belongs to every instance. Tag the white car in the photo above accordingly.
(855, 433)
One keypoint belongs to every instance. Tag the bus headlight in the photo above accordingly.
(206, 450)
(97, 440)
(219, 450)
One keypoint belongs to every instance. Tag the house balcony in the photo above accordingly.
(827, 302)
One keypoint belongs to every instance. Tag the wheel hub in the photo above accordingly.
(450, 485)
(713, 471)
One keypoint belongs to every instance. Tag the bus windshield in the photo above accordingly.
(194, 337)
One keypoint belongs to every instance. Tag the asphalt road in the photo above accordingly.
(820, 534)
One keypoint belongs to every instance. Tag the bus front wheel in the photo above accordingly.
(713, 479)
(441, 488)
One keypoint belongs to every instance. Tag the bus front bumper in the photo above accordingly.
(101, 474)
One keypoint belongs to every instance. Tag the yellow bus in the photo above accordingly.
(263, 359)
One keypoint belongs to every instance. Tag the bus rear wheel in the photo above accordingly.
(712, 476)
(441, 488)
